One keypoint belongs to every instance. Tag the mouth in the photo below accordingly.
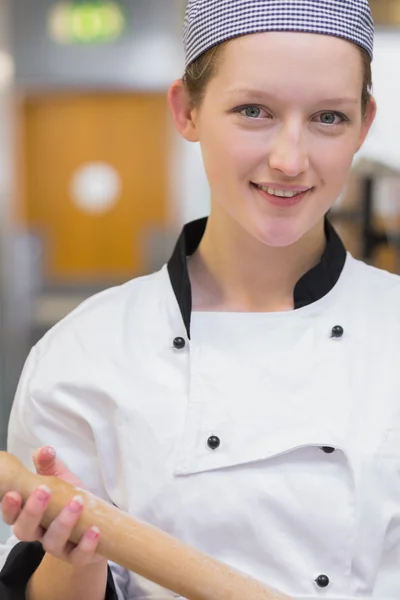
(281, 198)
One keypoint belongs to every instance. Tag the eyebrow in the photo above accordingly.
(257, 94)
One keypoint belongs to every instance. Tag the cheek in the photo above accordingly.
(333, 159)
(228, 157)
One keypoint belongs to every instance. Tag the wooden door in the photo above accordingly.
(63, 132)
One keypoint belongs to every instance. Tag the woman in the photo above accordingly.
(245, 398)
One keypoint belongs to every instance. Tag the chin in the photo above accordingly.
(278, 234)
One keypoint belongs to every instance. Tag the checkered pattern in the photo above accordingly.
(210, 22)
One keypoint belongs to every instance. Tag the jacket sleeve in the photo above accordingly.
(21, 562)
(47, 417)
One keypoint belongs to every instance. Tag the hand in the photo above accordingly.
(26, 518)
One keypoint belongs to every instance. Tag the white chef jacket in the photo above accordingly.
(270, 441)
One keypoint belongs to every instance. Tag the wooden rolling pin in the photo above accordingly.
(137, 546)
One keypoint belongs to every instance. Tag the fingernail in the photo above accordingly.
(50, 451)
(93, 533)
(76, 504)
(12, 501)
(43, 493)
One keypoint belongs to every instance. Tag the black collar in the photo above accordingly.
(313, 286)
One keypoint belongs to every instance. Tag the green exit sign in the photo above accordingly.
(86, 22)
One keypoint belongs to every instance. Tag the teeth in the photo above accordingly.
(280, 193)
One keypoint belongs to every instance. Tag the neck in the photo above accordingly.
(233, 271)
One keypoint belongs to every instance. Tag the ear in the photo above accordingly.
(182, 114)
(368, 119)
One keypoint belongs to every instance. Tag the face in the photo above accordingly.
(283, 114)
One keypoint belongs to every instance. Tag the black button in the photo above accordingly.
(328, 449)
(337, 331)
(213, 442)
(322, 581)
(179, 343)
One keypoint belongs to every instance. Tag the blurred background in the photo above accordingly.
(94, 182)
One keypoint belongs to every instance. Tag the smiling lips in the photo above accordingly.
(289, 192)
(282, 198)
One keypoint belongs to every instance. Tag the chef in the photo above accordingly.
(246, 397)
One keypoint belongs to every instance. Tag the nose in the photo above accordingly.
(289, 153)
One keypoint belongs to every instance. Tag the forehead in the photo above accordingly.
(300, 63)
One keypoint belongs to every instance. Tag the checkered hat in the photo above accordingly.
(210, 22)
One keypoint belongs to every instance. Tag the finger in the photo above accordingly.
(85, 551)
(11, 507)
(27, 526)
(45, 460)
(47, 464)
(58, 533)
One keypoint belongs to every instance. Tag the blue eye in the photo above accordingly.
(253, 112)
(329, 118)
